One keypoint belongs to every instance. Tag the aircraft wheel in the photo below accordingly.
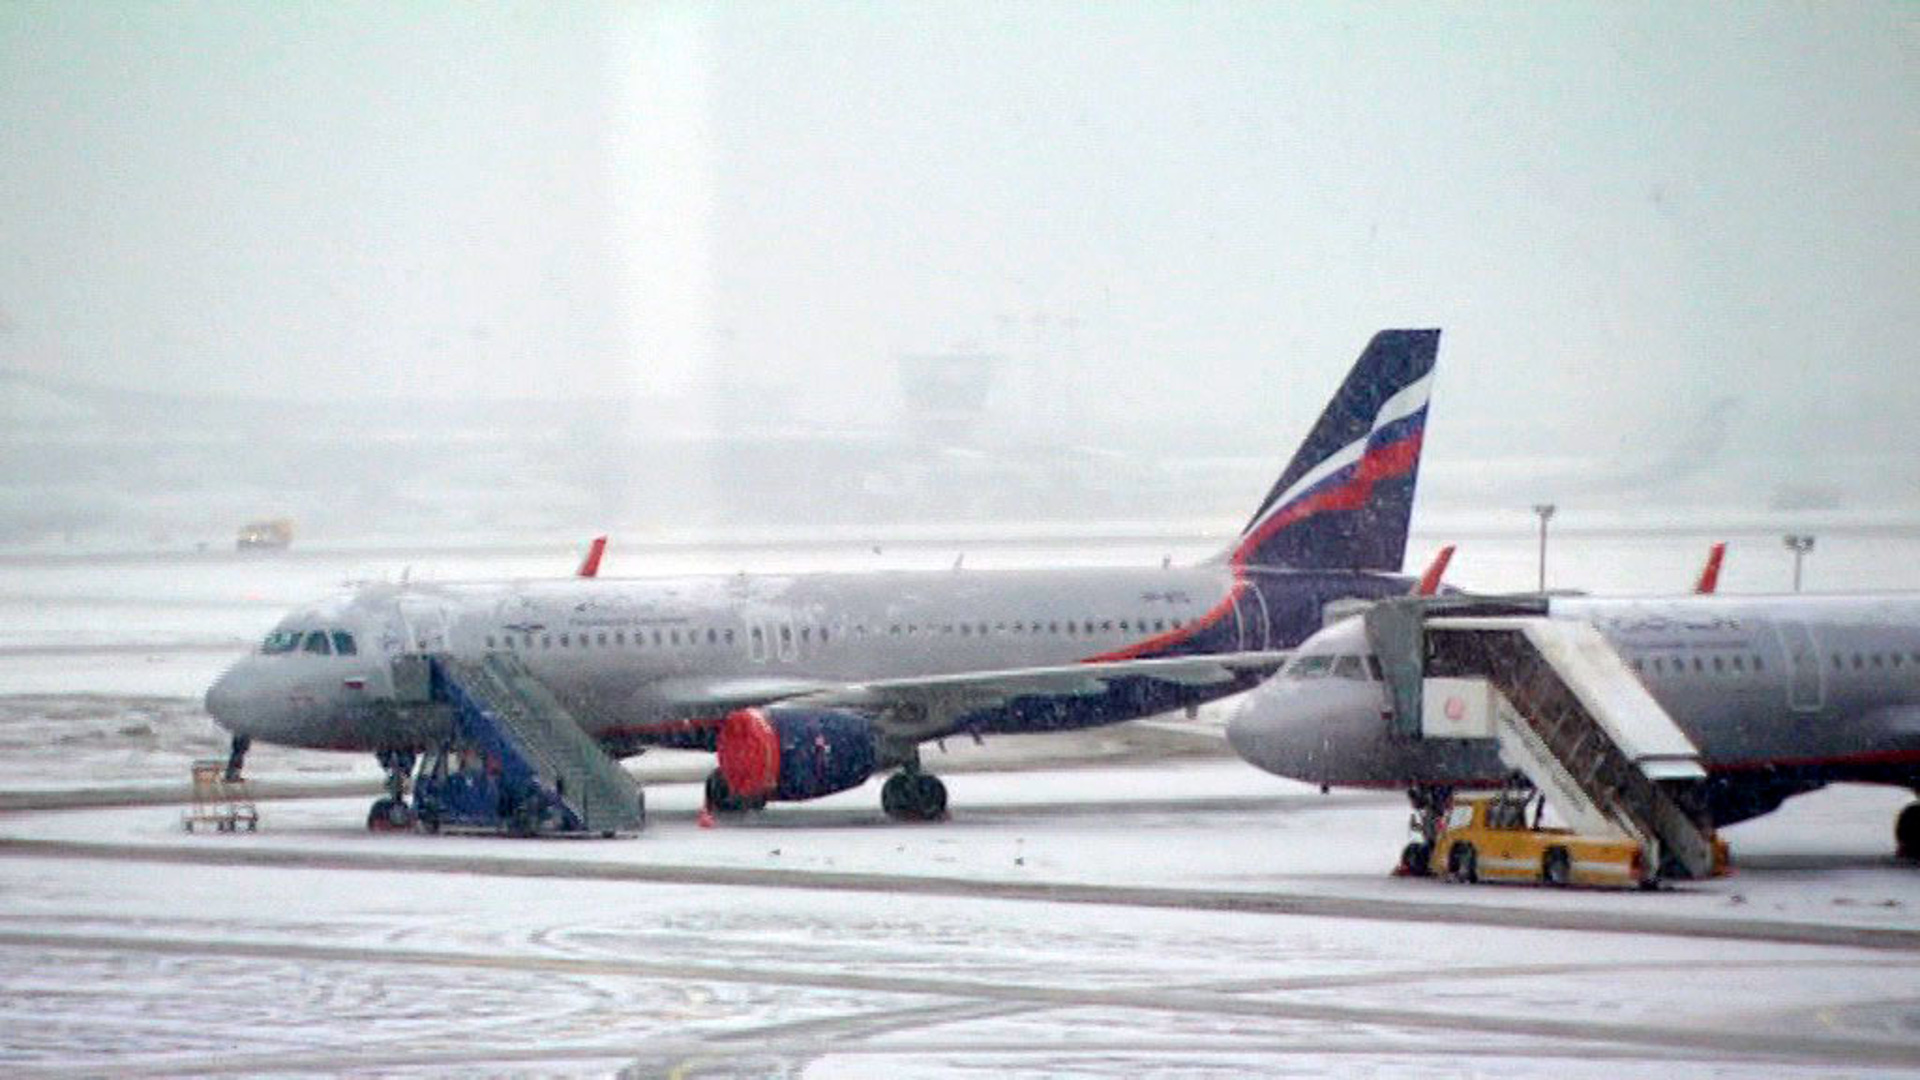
(914, 796)
(1413, 859)
(893, 796)
(930, 797)
(389, 815)
(1556, 869)
(721, 799)
(1906, 832)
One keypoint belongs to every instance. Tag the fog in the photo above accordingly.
(503, 270)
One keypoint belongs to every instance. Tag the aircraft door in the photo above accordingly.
(1806, 679)
(425, 622)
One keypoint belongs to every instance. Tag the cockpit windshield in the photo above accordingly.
(318, 642)
(1320, 666)
(1310, 667)
(281, 641)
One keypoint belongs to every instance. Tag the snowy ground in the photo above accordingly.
(1154, 910)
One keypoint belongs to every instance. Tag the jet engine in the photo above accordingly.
(790, 753)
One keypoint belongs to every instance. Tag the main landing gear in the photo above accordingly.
(912, 795)
(722, 800)
(1906, 832)
(390, 813)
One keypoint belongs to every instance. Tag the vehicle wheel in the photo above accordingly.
(1413, 859)
(1906, 832)
(1463, 863)
(430, 821)
(1556, 868)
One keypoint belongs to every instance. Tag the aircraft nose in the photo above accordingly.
(224, 700)
(1295, 728)
(1255, 728)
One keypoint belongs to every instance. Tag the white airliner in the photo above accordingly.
(1781, 694)
(806, 684)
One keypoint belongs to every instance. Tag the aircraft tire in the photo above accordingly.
(1413, 859)
(914, 796)
(388, 815)
(1906, 832)
(720, 797)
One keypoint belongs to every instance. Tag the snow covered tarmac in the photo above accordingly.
(1146, 910)
(820, 940)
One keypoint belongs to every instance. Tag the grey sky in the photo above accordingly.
(1621, 214)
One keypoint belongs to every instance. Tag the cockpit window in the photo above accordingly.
(1348, 667)
(343, 643)
(317, 643)
(281, 641)
(1311, 667)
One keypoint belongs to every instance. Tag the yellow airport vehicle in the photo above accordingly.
(272, 535)
(1486, 836)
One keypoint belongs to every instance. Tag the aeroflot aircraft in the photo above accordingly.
(1782, 694)
(806, 684)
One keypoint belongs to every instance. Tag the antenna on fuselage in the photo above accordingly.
(958, 559)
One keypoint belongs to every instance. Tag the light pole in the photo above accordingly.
(1799, 544)
(1545, 510)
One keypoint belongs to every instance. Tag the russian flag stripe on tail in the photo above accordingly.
(1345, 499)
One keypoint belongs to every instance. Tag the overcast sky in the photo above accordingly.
(1636, 223)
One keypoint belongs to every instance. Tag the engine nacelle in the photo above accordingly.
(785, 753)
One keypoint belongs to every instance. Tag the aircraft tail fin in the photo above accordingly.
(1346, 497)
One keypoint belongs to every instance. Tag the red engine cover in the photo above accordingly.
(749, 753)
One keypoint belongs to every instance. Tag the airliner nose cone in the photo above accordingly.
(1248, 727)
(222, 702)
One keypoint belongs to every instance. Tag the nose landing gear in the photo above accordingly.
(236, 757)
(390, 813)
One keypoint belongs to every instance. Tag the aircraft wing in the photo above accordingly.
(1044, 698)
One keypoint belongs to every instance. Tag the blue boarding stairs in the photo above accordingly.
(516, 761)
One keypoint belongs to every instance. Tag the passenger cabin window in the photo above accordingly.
(317, 643)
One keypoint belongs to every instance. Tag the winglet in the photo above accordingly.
(1430, 581)
(590, 566)
(1710, 573)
